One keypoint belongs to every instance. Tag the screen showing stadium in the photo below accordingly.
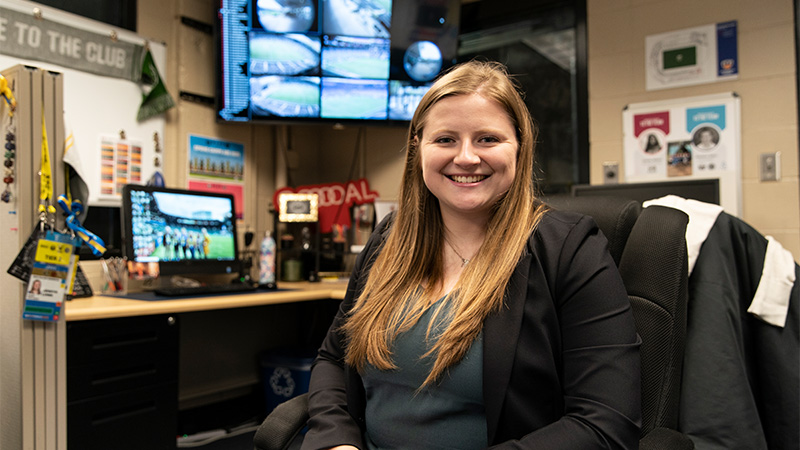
(183, 231)
(331, 60)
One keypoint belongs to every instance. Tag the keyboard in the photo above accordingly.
(186, 291)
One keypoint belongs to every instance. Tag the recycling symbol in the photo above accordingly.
(281, 382)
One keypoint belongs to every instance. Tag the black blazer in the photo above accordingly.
(561, 360)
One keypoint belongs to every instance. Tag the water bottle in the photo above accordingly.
(266, 273)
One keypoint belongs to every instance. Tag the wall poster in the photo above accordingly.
(697, 137)
(217, 166)
(704, 54)
(120, 164)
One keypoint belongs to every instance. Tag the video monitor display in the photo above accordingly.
(183, 231)
(331, 60)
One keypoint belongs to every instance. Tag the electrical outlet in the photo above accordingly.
(770, 167)
(610, 172)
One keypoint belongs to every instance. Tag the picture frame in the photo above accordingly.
(295, 207)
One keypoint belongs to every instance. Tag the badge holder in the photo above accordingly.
(53, 269)
(49, 259)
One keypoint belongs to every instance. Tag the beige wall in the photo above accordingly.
(766, 84)
(616, 33)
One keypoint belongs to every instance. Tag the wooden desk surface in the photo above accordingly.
(104, 307)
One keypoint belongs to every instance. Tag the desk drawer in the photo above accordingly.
(102, 378)
(142, 339)
(132, 420)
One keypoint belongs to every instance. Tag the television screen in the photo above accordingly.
(331, 60)
(184, 231)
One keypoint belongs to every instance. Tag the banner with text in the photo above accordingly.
(23, 36)
(335, 200)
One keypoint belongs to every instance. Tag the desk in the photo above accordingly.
(209, 357)
(105, 307)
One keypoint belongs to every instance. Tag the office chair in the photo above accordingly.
(650, 248)
(614, 215)
(654, 268)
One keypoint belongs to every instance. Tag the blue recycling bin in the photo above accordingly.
(285, 374)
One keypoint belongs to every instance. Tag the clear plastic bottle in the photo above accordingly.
(266, 272)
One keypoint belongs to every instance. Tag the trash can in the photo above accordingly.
(285, 374)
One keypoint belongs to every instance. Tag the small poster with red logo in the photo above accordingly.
(684, 138)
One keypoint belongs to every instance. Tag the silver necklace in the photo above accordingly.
(464, 261)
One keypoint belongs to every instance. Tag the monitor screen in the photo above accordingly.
(185, 232)
(331, 60)
(704, 190)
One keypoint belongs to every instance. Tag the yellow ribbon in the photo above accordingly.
(46, 184)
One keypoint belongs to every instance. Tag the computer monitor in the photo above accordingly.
(186, 232)
(704, 190)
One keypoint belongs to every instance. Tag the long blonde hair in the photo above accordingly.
(391, 302)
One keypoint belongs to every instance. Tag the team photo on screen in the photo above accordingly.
(177, 227)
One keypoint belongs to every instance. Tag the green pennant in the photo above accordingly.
(158, 99)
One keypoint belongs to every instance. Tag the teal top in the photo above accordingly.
(447, 415)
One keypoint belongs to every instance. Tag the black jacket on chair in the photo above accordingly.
(741, 382)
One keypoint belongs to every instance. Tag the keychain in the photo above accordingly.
(10, 147)
(10, 155)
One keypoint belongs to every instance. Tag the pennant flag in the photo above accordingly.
(157, 100)
(77, 189)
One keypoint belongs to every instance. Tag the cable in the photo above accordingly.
(353, 164)
(213, 436)
(285, 149)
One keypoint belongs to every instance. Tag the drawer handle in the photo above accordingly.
(113, 377)
(123, 413)
(122, 341)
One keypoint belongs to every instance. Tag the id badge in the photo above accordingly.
(51, 275)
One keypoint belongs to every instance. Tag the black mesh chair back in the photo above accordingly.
(615, 216)
(654, 267)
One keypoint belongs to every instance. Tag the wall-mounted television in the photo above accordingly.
(331, 60)
(185, 232)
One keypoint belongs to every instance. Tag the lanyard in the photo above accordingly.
(45, 179)
(73, 209)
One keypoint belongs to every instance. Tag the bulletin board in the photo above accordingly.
(98, 108)
(686, 138)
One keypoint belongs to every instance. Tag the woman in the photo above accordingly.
(475, 317)
(36, 287)
(653, 145)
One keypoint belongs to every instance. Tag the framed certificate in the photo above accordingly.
(298, 207)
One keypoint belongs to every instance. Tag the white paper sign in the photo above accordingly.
(697, 137)
(692, 56)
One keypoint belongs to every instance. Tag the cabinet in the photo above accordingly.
(122, 383)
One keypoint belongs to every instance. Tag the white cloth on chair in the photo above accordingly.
(771, 301)
(702, 217)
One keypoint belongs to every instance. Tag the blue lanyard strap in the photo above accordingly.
(73, 209)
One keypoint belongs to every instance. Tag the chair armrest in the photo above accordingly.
(665, 439)
(281, 426)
